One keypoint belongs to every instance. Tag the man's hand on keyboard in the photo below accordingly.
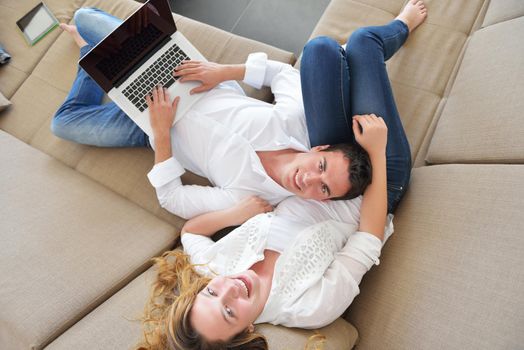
(208, 73)
(161, 111)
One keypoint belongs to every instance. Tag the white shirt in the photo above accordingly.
(316, 277)
(219, 136)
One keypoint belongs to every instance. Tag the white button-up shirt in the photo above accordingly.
(317, 275)
(219, 136)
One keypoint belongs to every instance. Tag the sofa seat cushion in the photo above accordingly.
(450, 277)
(482, 119)
(115, 325)
(67, 244)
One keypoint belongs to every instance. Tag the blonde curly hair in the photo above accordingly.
(166, 322)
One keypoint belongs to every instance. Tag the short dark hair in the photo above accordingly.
(360, 171)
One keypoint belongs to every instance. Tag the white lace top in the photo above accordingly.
(316, 276)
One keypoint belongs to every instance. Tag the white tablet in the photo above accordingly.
(37, 23)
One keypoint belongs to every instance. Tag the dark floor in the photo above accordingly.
(286, 24)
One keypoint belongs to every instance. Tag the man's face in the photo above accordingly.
(317, 175)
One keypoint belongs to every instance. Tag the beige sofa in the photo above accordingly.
(80, 224)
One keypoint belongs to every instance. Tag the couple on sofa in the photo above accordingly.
(315, 151)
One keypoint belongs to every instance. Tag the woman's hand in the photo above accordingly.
(374, 134)
(208, 73)
(249, 207)
(210, 223)
(161, 111)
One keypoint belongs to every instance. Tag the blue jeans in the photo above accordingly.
(338, 83)
(83, 118)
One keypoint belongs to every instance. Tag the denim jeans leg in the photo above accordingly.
(366, 52)
(325, 92)
(82, 118)
(93, 24)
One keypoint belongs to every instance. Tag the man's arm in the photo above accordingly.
(162, 115)
(184, 201)
(258, 71)
(282, 78)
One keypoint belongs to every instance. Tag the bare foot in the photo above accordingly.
(71, 29)
(413, 14)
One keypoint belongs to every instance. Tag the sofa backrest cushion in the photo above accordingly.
(482, 119)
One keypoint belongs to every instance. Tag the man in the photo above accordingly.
(242, 145)
(245, 146)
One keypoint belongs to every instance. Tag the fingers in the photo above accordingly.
(160, 93)
(261, 205)
(175, 102)
(186, 65)
(185, 71)
(155, 94)
(268, 208)
(357, 131)
(198, 89)
(190, 62)
(368, 119)
(264, 205)
(191, 77)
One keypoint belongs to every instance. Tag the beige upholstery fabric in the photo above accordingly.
(341, 18)
(114, 325)
(10, 79)
(503, 10)
(67, 244)
(450, 276)
(482, 119)
(4, 102)
(416, 108)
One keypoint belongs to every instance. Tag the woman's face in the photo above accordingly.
(227, 306)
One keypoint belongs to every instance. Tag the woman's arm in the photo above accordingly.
(209, 223)
(373, 138)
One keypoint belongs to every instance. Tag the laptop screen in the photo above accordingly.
(116, 57)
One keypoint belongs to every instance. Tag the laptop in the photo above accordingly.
(140, 54)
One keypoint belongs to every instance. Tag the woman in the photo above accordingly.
(287, 267)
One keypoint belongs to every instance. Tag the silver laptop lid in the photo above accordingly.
(132, 43)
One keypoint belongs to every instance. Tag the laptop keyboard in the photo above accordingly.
(159, 73)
